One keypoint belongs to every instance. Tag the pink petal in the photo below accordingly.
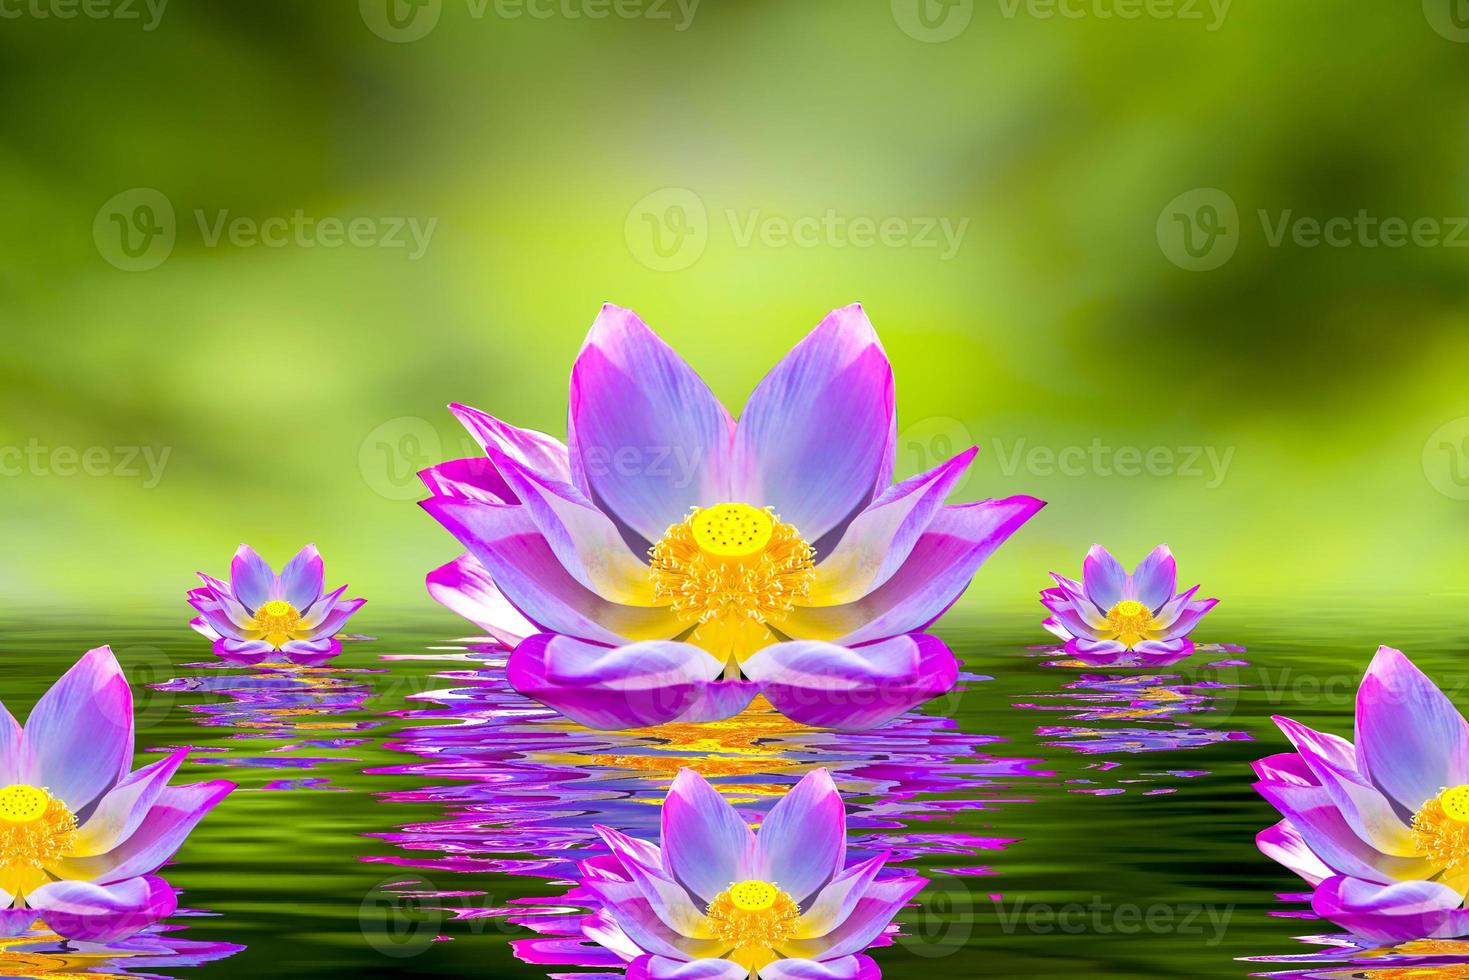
(668, 899)
(13, 753)
(835, 902)
(664, 968)
(719, 700)
(817, 438)
(537, 451)
(121, 810)
(1103, 577)
(1411, 740)
(640, 921)
(79, 737)
(312, 652)
(630, 686)
(1392, 913)
(832, 686)
(841, 968)
(869, 917)
(1283, 843)
(803, 839)
(243, 652)
(301, 578)
(474, 478)
(159, 834)
(466, 588)
(1321, 825)
(648, 439)
(251, 579)
(86, 912)
(706, 844)
(1152, 582)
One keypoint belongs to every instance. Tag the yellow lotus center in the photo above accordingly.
(1130, 621)
(1441, 829)
(732, 569)
(277, 622)
(36, 829)
(753, 914)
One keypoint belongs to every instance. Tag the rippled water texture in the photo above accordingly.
(403, 812)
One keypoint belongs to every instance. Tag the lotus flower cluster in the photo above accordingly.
(81, 835)
(1379, 828)
(1111, 617)
(718, 901)
(668, 563)
(259, 614)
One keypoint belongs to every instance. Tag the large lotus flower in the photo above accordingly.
(81, 835)
(259, 613)
(721, 902)
(668, 563)
(1111, 617)
(1380, 829)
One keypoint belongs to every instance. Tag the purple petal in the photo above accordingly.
(1103, 577)
(251, 579)
(213, 616)
(1097, 653)
(706, 844)
(466, 588)
(664, 968)
(79, 737)
(507, 543)
(817, 438)
(803, 839)
(83, 911)
(1161, 653)
(832, 686)
(1391, 913)
(16, 921)
(842, 968)
(936, 573)
(871, 915)
(121, 810)
(243, 652)
(1411, 740)
(312, 652)
(334, 620)
(719, 700)
(159, 834)
(13, 753)
(474, 478)
(667, 898)
(1152, 582)
(631, 686)
(880, 538)
(1188, 618)
(537, 451)
(1068, 616)
(221, 594)
(301, 579)
(835, 902)
(1283, 843)
(647, 437)
(1321, 825)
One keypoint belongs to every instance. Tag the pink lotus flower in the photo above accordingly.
(1379, 829)
(721, 902)
(1112, 618)
(669, 564)
(81, 835)
(259, 613)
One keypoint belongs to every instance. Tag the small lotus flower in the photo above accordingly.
(259, 613)
(669, 563)
(81, 835)
(1379, 829)
(721, 902)
(1112, 618)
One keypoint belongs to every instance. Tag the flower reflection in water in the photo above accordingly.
(1345, 957)
(523, 786)
(42, 954)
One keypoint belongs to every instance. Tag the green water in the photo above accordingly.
(399, 813)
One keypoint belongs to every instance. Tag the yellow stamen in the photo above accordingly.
(36, 829)
(278, 622)
(1441, 829)
(1131, 622)
(753, 915)
(732, 569)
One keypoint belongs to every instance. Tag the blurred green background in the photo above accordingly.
(1108, 280)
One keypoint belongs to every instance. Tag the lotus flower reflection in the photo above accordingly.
(81, 835)
(1111, 617)
(259, 613)
(1380, 828)
(669, 564)
(720, 902)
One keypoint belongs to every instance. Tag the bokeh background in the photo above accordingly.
(1108, 287)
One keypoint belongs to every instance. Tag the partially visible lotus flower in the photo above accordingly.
(259, 613)
(1379, 829)
(668, 563)
(721, 902)
(81, 835)
(1111, 617)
